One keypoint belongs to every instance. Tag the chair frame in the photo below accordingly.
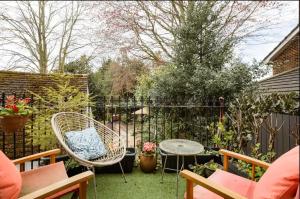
(220, 190)
(81, 179)
(117, 148)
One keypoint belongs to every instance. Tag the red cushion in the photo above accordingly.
(10, 183)
(281, 178)
(231, 181)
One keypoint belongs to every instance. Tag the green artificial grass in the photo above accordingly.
(139, 186)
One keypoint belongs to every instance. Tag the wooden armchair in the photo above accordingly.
(218, 184)
(50, 181)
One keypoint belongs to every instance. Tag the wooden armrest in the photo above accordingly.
(207, 184)
(244, 158)
(81, 179)
(51, 153)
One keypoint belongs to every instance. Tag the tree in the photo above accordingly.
(79, 66)
(204, 66)
(117, 77)
(147, 28)
(39, 36)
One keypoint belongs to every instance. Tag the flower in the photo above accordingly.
(149, 147)
(14, 106)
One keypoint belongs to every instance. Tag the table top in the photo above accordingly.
(181, 147)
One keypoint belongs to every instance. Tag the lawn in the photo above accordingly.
(139, 186)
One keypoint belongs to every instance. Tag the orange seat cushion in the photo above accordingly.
(281, 179)
(231, 181)
(41, 177)
(10, 179)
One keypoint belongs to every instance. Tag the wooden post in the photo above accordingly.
(52, 159)
(189, 189)
(22, 167)
(253, 171)
(82, 190)
(225, 163)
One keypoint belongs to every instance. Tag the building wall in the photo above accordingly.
(281, 83)
(19, 82)
(288, 58)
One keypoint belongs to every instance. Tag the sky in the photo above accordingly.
(258, 50)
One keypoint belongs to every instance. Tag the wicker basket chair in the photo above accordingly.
(70, 121)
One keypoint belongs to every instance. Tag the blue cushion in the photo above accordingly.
(87, 144)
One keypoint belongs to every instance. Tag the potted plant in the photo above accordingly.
(15, 113)
(148, 157)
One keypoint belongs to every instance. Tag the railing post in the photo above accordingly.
(119, 115)
(104, 111)
(221, 115)
(156, 113)
(31, 130)
(127, 121)
(142, 120)
(3, 133)
(112, 112)
(149, 118)
(134, 109)
(24, 136)
(14, 140)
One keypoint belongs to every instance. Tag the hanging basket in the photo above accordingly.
(12, 123)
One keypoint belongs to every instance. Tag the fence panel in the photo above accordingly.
(287, 136)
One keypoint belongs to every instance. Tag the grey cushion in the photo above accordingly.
(87, 144)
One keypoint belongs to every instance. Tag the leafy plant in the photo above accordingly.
(201, 169)
(223, 136)
(251, 109)
(15, 106)
(258, 170)
(62, 97)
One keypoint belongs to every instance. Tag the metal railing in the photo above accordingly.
(143, 120)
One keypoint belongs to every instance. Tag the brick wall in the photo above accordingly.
(19, 82)
(288, 58)
(15, 145)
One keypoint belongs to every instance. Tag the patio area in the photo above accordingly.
(139, 185)
(100, 93)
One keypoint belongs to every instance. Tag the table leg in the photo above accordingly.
(177, 167)
(163, 169)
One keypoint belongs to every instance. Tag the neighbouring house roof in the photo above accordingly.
(284, 82)
(281, 46)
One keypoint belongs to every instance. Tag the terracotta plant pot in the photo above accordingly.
(147, 163)
(12, 123)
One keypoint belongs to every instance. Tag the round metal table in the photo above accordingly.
(180, 147)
